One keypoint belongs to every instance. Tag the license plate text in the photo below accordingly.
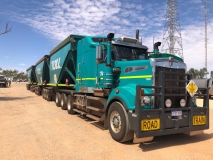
(150, 124)
(199, 120)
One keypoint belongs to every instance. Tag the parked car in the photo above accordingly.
(4, 81)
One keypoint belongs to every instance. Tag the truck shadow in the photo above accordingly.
(173, 140)
(14, 98)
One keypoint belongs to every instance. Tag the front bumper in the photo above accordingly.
(168, 124)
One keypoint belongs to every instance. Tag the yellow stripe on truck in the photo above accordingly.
(135, 77)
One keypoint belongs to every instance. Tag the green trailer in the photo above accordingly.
(31, 77)
(116, 82)
(42, 74)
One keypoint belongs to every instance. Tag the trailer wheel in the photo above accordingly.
(63, 101)
(57, 99)
(36, 88)
(28, 87)
(48, 97)
(43, 92)
(39, 91)
(118, 123)
(70, 108)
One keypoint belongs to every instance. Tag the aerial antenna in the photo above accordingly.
(206, 38)
(172, 40)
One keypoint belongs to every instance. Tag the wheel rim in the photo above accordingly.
(115, 121)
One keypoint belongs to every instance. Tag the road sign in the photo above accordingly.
(191, 88)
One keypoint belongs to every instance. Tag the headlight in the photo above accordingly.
(168, 103)
(182, 102)
(145, 101)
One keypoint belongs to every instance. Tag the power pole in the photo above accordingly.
(172, 40)
(206, 38)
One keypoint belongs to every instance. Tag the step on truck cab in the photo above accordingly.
(136, 94)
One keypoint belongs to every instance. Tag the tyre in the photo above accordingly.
(48, 97)
(70, 105)
(43, 93)
(36, 90)
(118, 123)
(58, 99)
(28, 87)
(39, 91)
(63, 101)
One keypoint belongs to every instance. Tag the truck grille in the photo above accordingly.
(174, 82)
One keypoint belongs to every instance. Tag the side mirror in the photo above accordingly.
(99, 55)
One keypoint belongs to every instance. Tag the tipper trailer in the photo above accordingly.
(42, 74)
(136, 94)
(32, 82)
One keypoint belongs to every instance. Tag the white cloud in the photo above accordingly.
(22, 64)
(59, 18)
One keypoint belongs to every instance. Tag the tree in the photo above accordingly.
(211, 74)
(202, 73)
(14, 74)
(6, 29)
(194, 73)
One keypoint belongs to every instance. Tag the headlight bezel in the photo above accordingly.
(168, 103)
(146, 101)
(183, 103)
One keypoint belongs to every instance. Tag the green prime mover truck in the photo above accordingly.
(135, 94)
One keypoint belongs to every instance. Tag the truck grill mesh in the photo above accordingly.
(172, 81)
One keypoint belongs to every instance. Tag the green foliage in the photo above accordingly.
(211, 74)
(194, 73)
(15, 74)
(199, 74)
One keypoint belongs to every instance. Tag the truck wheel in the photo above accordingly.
(28, 87)
(36, 90)
(70, 105)
(39, 91)
(48, 97)
(63, 101)
(118, 123)
(43, 92)
(57, 99)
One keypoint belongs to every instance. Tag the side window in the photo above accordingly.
(104, 53)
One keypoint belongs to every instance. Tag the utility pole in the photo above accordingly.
(172, 40)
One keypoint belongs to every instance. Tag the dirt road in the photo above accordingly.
(32, 128)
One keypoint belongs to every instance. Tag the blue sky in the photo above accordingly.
(38, 26)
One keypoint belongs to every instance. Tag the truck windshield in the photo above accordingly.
(127, 53)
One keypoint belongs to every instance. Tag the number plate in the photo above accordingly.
(150, 124)
(176, 113)
(199, 120)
